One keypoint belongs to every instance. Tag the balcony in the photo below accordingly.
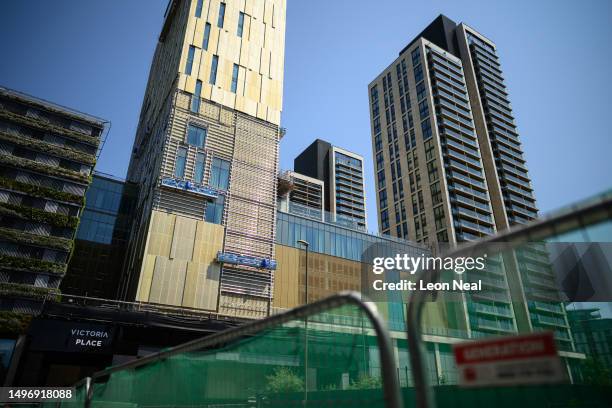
(548, 320)
(461, 223)
(494, 325)
(547, 307)
(516, 171)
(523, 211)
(492, 71)
(470, 202)
(455, 116)
(446, 63)
(525, 193)
(512, 153)
(459, 109)
(543, 282)
(465, 179)
(450, 90)
(443, 70)
(490, 310)
(473, 214)
(499, 296)
(467, 190)
(498, 101)
(486, 89)
(528, 203)
(460, 156)
(470, 150)
(441, 78)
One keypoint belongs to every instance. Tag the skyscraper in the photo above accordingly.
(206, 159)
(450, 168)
(342, 173)
(441, 118)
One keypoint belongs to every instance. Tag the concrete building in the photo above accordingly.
(450, 168)
(47, 153)
(342, 174)
(305, 196)
(205, 158)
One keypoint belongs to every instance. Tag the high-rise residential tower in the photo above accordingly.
(443, 131)
(206, 159)
(342, 174)
(450, 168)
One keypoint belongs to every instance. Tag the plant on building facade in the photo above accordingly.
(40, 124)
(32, 165)
(21, 237)
(29, 291)
(38, 215)
(14, 322)
(40, 192)
(49, 148)
(31, 265)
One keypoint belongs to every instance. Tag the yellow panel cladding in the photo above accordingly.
(179, 267)
(259, 52)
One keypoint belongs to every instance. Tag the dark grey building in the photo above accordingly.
(342, 174)
(101, 239)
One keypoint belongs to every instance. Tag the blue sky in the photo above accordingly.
(94, 56)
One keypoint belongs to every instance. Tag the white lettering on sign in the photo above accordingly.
(89, 333)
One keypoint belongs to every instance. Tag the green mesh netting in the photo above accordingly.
(266, 369)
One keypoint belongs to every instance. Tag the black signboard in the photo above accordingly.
(55, 335)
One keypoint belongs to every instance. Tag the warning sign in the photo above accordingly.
(526, 359)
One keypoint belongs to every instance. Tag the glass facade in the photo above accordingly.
(101, 239)
(332, 239)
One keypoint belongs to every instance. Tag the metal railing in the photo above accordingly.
(390, 383)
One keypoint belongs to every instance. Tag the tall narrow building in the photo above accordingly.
(47, 153)
(341, 171)
(450, 168)
(206, 159)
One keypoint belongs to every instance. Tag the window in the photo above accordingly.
(199, 168)
(235, 78)
(381, 179)
(195, 99)
(384, 219)
(426, 129)
(213, 70)
(206, 36)
(418, 73)
(214, 210)
(420, 89)
(378, 143)
(439, 217)
(416, 57)
(379, 161)
(240, 24)
(189, 63)
(198, 10)
(423, 109)
(181, 160)
(432, 171)
(221, 15)
(196, 135)
(382, 198)
(219, 176)
(436, 193)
